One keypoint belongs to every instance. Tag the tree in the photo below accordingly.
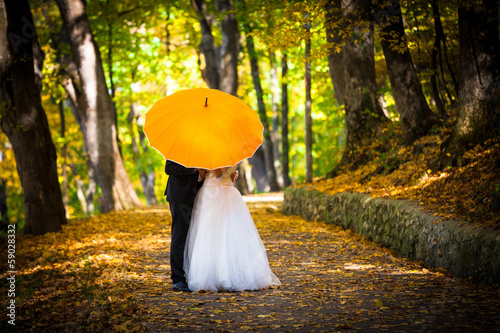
(363, 114)
(284, 121)
(479, 77)
(229, 48)
(268, 140)
(275, 124)
(221, 63)
(147, 173)
(95, 110)
(308, 104)
(24, 121)
(67, 70)
(223, 60)
(416, 117)
(436, 49)
(207, 47)
(64, 155)
(334, 27)
(221, 72)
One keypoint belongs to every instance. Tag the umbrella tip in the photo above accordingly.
(206, 100)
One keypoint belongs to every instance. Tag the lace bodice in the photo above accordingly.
(224, 180)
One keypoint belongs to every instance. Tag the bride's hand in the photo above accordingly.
(234, 176)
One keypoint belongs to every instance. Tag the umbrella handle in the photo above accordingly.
(206, 100)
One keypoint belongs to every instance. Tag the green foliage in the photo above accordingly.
(151, 49)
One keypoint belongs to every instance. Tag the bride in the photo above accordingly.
(223, 248)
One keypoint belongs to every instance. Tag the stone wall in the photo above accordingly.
(400, 225)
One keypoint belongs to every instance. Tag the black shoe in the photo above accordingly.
(181, 286)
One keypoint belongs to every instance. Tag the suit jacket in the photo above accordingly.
(182, 185)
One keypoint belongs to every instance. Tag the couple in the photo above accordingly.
(215, 245)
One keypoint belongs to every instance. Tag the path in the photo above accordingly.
(110, 273)
(333, 280)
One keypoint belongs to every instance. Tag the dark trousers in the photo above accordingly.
(181, 215)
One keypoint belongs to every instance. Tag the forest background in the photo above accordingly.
(335, 83)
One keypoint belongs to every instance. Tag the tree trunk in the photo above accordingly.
(80, 192)
(112, 82)
(285, 151)
(276, 118)
(268, 142)
(74, 100)
(416, 117)
(334, 23)
(259, 171)
(38, 57)
(64, 165)
(148, 185)
(363, 113)
(211, 72)
(25, 123)
(308, 102)
(91, 189)
(479, 77)
(229, 48)
(434, 54)
(96, 110)
(147, 173)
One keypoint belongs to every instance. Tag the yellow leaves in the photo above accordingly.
(462, 193)
(107, 277)
(380, 305)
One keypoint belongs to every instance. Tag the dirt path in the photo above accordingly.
(332, 280)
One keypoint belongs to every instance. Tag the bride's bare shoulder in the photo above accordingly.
(218, 172)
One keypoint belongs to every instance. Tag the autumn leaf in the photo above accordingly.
(102, 275)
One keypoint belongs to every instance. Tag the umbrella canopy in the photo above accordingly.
(203, 128)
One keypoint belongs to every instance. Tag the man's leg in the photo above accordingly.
(181, 214)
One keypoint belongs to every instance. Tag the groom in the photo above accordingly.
(182, 186)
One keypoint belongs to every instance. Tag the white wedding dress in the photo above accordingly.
(223, 248)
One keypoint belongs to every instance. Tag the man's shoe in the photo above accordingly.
(181, 286)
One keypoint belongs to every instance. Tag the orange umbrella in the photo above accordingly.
(203, 128)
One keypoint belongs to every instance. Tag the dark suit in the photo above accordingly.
(182, 187)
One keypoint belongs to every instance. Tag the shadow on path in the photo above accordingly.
(333, 280)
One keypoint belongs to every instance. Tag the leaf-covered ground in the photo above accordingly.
(110, 273)
(462, 193)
